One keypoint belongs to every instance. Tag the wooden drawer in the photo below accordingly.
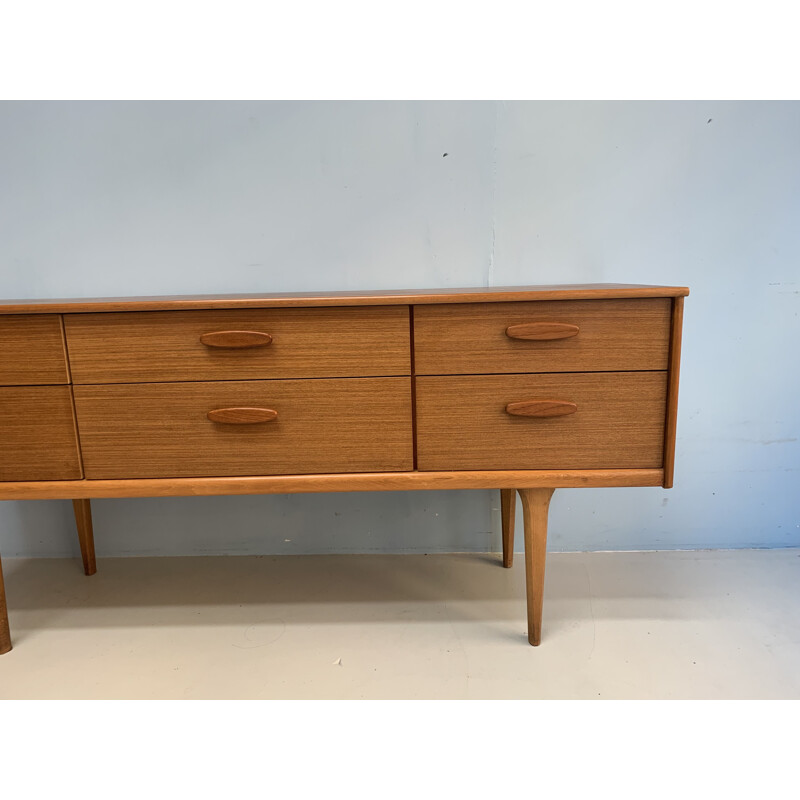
(37, 434)
(153, 346)
(32, 350)
(461, 339)
(462, 422)
(162, 429)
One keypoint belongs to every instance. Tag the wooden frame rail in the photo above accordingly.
(355, 482)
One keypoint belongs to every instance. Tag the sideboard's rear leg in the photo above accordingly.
(535, 504)
(83, 519)
(508, 505)
(5, 631)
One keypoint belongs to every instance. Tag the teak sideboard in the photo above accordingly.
(523, 389)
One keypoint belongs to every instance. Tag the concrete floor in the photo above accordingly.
(703, 624)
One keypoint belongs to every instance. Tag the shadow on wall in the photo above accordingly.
(347, 522)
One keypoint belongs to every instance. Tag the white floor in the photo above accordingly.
(703, 624)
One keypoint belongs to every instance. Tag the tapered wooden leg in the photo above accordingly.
(535, 504)
(83, 519)
(5, 631)
(508, 505)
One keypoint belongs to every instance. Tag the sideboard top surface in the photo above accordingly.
(485, 294)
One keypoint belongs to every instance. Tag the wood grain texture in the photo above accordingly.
(38, 440)
(471, 339)
(578, 291)
(535, 506)
(462, 422)
(306, 343)
(671, 429)
(5, 630)
(32, 350)
(355, 482)
(508, 508)
(161, 429)
(83, 520)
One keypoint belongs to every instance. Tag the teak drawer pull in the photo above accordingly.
(236, 339)
(541, 408)
(242, 415)
(542, 331)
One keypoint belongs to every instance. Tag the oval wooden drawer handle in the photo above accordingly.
(541, 408)
(236, 339)
(242, 415)
(542, 331)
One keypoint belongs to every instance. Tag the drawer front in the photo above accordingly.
(37, 434)
(147, 346)
(32, 350)
(569, 336)
(274, 427)
(606, 420)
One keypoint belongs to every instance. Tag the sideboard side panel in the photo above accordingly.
(672, 391)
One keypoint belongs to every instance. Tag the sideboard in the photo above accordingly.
(521, 389)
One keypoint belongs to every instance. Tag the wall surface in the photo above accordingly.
(122, 198)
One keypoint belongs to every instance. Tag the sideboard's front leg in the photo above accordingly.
(5, 631)
(508, 505)
(83, 519)
(535, 504)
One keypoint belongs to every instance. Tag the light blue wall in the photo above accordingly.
(160, 198)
